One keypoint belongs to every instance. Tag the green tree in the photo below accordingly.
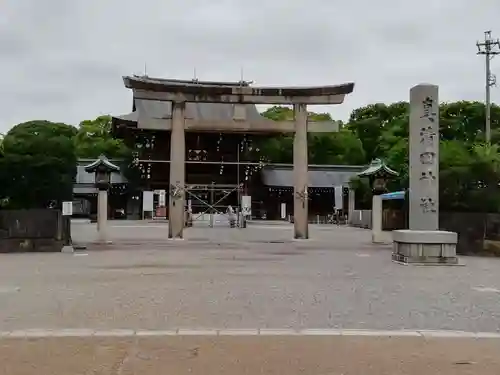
(280, 113)
(485, 168)
(370, 122)
(94, 138)
(456, 178)
(342, 147)
(465, 121)
(38, 164)
(324, 148)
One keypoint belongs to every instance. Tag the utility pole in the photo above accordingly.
(489, 48)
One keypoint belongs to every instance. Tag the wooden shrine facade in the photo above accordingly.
(216, 161)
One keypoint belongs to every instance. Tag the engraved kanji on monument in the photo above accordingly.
(424, 157)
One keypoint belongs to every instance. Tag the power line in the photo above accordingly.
(489, 48)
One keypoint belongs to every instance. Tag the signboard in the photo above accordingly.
(283, 210)
(147, 201)
(67, 208)
(161, 198)
(246, 205)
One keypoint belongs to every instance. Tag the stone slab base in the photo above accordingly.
(397, 258)
(425, 247)
(68, 249)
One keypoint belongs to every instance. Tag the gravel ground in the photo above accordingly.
(242, 278)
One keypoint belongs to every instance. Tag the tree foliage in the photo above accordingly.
(38, 158)
(324, 148)
(38, 164)
(95, 138)
(469, 168)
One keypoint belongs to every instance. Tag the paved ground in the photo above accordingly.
(337, 280)
(141, 232)
(249, 355)
(234, 279)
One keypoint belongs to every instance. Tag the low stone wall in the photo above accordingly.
(477, 232)
(361, 219)
(37, 230)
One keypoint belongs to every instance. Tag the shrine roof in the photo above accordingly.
(378, 166)
(153, 110)
(102, 161)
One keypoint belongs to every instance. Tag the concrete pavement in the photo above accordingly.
(249, 355)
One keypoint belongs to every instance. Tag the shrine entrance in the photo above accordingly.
(236, 100)
(207, 205)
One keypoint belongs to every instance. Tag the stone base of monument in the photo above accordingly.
(425, 247)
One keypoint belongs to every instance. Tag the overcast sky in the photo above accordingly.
(63, 60)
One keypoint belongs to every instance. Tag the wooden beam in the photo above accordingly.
(238, 126)
(237, 98)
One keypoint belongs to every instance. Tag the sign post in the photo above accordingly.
(67, 211)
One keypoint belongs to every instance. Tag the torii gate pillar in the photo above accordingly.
(177, 172)
(300, 173)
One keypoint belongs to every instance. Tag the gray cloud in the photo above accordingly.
(63, 60)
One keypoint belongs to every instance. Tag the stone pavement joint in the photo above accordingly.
(46, 333)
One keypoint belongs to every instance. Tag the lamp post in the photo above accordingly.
(378, 174)
(102, 168)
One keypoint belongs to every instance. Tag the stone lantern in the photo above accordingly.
(102, 168)
(378, 173)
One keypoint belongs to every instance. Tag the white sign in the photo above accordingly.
(339, 197)
(147, 201)
(67, 208)
(161, 198)
(283, 210)
(246, 205)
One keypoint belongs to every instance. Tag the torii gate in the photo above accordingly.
(181, 92)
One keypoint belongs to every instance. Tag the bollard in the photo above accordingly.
(211, 222)
(317, 219)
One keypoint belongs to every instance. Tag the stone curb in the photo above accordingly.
(47, 333)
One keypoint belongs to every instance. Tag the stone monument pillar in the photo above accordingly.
(424, 158)
(300, 173)
(424, 242)
(177, 172)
